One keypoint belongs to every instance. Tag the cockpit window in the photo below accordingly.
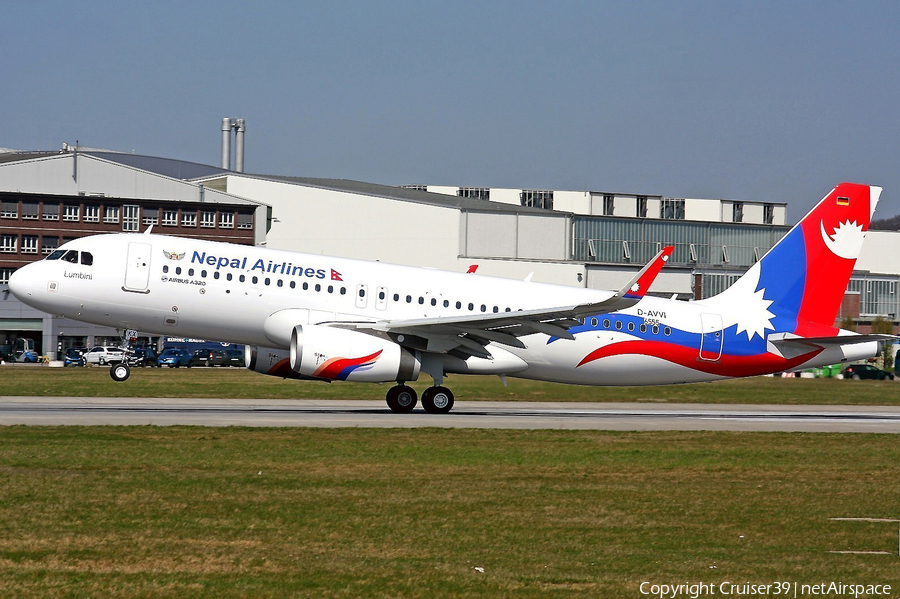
(56, 255)
(71, 256)
(87, 258)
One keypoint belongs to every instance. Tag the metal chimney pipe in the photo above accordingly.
(226, 143)
(239, 146)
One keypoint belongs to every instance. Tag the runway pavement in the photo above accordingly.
(466, 414)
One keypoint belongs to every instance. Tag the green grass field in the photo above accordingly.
(194, 512)
(240, 383)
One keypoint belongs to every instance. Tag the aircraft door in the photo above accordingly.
(137, 268)
(381, 298)
(711, 337)
(362, 292)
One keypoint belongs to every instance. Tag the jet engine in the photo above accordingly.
(270, 361)
(341, 354)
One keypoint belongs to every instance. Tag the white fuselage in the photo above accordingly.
(219, 291)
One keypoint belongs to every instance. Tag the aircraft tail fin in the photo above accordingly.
(802, 279)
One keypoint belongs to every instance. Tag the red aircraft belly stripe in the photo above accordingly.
(689, 358)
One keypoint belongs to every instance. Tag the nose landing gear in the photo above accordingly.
(120, 371)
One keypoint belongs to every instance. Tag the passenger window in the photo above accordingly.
(459, 305)
(254, 280)
(203, 274)
(87, 258)
(343, 291)
(618, 325)
(446, 303)
(228, 277)
(216, 275)
(483, 308)
(471, 306)
(421, 300)
(268, 281)
(643, 328)
(71, 256)
(396, 297)
(242, 278)
(293, 284)
(165, 268)
(408, 299)
(305, 286)
(318, 287)
(331, 289)
(605, 323)
(630, 326)
(190, 272)
(280, 283)
(655, 330)
(667, 331)
(177, 270)
(433, 302)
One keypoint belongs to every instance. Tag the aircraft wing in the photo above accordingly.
(469, 334)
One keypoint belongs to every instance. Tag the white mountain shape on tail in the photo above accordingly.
(846, 241)
(744, 306)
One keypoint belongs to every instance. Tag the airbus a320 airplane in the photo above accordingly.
(323, 318)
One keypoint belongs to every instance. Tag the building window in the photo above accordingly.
(207, 218)
(188, 219)
(671, 209)
(71, 212)
(768, 214)
(609, 204)
(737, 212)
(169, 218)
(111, 214)
(51, 211)
(5, 274)
(151, 216)
(30, 210)
(91, 213)
(29, 244)
(49, 244)
(130, 220)
(415, 187)
(533, 198)
(9, 209)
(9, 244)
(641, 211)
(245, 221)
(226, 220)
(475, 193)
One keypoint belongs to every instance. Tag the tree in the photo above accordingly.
(884, 326)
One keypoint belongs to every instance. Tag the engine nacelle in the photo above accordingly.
(344, 355)
(270, 361)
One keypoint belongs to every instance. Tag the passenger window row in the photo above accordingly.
(618, 325)
(409, 299)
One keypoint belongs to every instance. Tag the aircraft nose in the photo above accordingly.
(20, 283)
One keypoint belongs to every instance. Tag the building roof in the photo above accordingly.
(405, 194)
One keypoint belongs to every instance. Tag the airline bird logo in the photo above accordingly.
(173, 255)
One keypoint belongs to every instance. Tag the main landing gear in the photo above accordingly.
(436, 400)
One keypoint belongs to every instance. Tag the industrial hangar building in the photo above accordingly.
(577, 238)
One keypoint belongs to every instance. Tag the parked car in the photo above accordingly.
(173, 358)
(104, 355)
(143, 356)
(74, 356)
(865, 371)
(208, 357)
(234, 357)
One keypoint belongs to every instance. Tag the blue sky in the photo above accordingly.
(751, 100)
